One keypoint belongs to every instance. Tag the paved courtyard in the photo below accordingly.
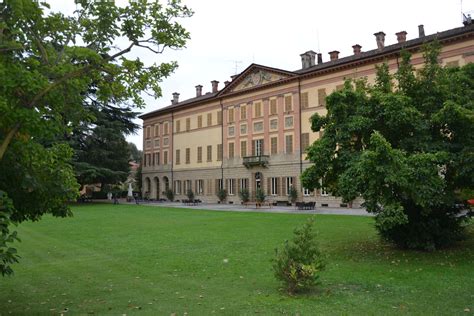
(266, 209)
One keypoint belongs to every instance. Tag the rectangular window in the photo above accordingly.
(304, 141)
(188, 156)
(188, 124)
(274, 145)
(166, 141)
(258, 109)
(243, 129)
(289, 144)
(152, 159)
(324, 191)
(157, 130)
(148, 144)
(219, 152)
(289, 122)
(200, 187)
(209, 153)
(157, 159)
(231, 115)
(165, 157)
(243, 112)
(339, 87)
(289, 184)
(178, 157)
(165, 128)
(157, 143)
(231, 131)
(148, 132)
(288, 103)
(177, 186)
(274, 186)
(219, 117)
(199, 154)
(178, 126)
(322, 97)
(199, 121)
(187, 186)
(209, 119)
(231, 186)
(243, 148)
(258, 127)
(306, 192)
(231, 150)
(304, 100)
(244, 183)
(452, 63)
(257, 147)
(273, 106)
(274, 124)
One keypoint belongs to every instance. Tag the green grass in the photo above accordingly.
(137, 259)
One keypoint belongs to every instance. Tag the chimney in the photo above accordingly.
(175, 98)
(233, 77)
(356, 49)
(421, 30)
(334, 55)
(215, 86)
(320, 58)
(226, 83)
(308, 59)
(401, 36)
(380, 38)
(198, 90)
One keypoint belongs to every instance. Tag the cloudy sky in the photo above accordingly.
(228, 35)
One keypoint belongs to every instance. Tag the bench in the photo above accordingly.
(258, 204)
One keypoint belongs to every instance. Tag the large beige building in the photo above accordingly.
(253, 131)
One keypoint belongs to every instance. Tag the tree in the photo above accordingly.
(58, 71)
(135, 153)
(406, 145)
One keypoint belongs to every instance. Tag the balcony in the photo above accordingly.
(256, 161)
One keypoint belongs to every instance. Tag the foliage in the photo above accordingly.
(222, 195)
(190, 195)
(406, 145)
(244, 195)
(260, 195)
(138, 178)
(169, 194)
(8, 255)
(135, 153)
(61, 74)
(299, 263)
(293, 194)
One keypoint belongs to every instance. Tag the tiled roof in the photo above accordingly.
(335, 63)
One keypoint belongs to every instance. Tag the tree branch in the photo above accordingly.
(8, 139)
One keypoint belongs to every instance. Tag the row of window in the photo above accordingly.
(242, 110)
(257, 149)
(276, 186)
(258, 126)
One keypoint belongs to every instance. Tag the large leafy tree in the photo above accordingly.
(56, 71)
(406, 145)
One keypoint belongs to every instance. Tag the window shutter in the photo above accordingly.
(278, 186)
(293, 180)
(283, 186)
(253, 148)
(269, 186)
(252, 185)
(234, 186)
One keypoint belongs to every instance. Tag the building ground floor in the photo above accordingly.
(275, 181)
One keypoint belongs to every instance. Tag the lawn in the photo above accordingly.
(126, 259)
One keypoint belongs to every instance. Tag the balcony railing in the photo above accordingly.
(254, 161)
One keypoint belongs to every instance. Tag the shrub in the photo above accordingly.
(222, 195)
(260, 195)
(244, 195)
(293, 194)
(299, 263)
(190, 195)
(169, 194)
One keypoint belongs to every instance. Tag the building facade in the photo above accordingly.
(252, 133)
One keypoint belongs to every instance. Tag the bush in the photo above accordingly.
(190, 195)
(244, 195)
(260, 195)
(99, 195)
(169, 194)
(293, 194)
(222, 195)
(299, 263)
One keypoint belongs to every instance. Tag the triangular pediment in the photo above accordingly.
(254, 76)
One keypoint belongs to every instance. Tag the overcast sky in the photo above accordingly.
(228, 35)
